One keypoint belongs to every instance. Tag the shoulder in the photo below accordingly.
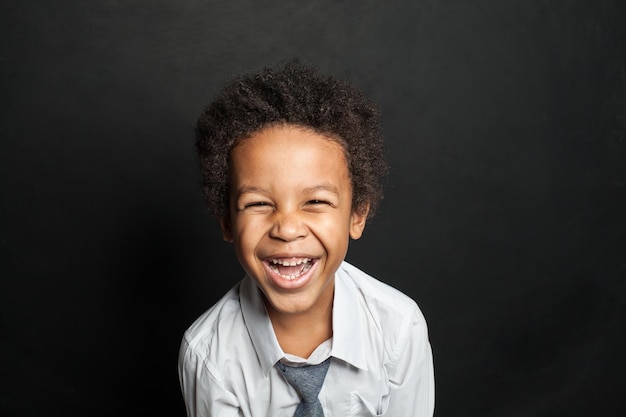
(389, 324)
(393, 315)
(204, 384)
(215, 326)
(379, 296)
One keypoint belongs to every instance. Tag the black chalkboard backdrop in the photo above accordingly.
(504, 215)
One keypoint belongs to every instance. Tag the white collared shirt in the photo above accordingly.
(381, 357)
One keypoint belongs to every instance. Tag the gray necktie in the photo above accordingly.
(308, 381)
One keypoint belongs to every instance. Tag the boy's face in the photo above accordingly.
(291, 215)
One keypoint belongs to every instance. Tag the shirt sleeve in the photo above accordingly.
(412, 382)
(202, 387)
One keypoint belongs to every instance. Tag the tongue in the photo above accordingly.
(289, 270)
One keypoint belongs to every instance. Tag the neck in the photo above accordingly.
(301, 333)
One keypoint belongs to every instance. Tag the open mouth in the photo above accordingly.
(290, 268)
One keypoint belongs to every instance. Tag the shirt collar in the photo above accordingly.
(348, 322)
(259, 325)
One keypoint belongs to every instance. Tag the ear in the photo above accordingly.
(357, 221)
(227, 231)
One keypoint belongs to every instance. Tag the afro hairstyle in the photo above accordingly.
(295, 94)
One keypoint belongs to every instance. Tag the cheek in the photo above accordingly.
(248, 232)
(334, 230)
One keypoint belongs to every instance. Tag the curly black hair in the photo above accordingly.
(294, 94)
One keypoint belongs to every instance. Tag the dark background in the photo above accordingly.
(503, 218)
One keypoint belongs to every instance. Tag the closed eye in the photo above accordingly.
(313, 202)
(256, 204)
(258, 207)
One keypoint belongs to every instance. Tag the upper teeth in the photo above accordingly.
(290, 262)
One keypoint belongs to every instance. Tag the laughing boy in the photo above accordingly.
(292, 164)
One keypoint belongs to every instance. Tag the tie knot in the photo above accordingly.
(307, 380)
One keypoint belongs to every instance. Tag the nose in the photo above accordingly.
(288, 227)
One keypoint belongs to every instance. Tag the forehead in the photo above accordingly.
(288, 150)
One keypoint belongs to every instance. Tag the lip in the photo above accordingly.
(283, 283)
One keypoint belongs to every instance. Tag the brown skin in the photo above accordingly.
(291, 201)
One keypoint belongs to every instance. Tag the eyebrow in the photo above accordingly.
(320, 187)
(250, 189)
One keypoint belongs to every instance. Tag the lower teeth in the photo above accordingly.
(304, 269)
